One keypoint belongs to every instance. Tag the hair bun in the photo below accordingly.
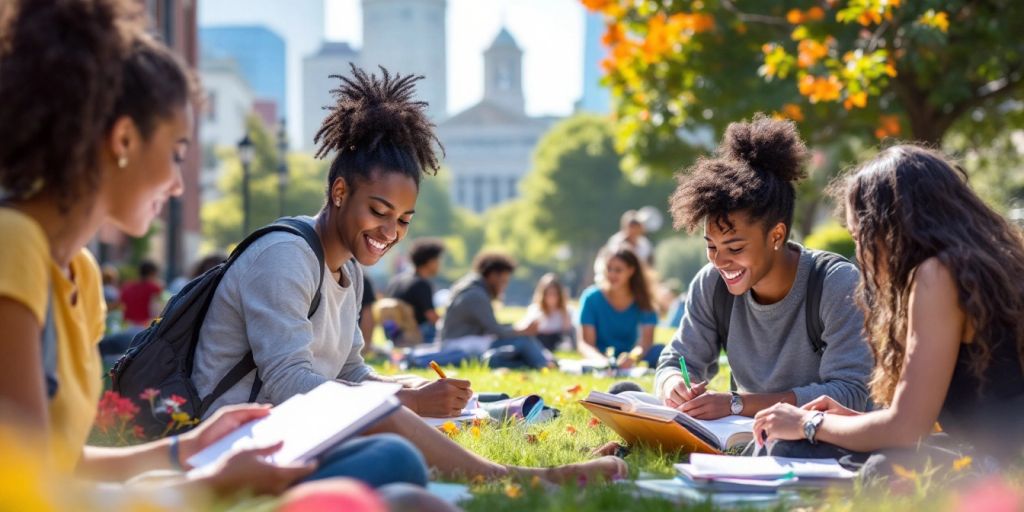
(767, 145)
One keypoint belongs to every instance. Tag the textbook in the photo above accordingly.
(640, 418)
(309, 423)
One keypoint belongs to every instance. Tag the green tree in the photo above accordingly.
(869, 69)
(576, 190)
(307, 181)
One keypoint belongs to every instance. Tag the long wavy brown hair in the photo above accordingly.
(909, 204)
(638, 283)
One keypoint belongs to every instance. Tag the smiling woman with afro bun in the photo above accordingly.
(784, 314)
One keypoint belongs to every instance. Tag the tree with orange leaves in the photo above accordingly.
(858, 68)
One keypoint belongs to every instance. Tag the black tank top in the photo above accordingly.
(987, 413)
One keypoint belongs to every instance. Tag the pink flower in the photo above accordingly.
(149, 394)
(994, 494)
(178, 400)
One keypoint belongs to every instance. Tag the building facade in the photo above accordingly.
(259, 53)
(409, 37)
(489, 146)
(331, 59)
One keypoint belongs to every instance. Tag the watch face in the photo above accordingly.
(736, 406)
(808, 430)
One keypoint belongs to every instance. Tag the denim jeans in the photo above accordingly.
(376, 460)
(519, 352)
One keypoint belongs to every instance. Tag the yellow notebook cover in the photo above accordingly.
(636, 429)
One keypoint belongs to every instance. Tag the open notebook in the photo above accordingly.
(761, 474)
(626, 414)
(307, 423)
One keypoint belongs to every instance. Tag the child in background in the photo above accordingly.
(549, 312)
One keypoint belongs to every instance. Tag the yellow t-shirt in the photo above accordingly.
(26, 273)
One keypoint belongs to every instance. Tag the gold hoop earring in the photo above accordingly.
(122, 162)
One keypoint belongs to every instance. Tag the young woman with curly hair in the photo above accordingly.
(743, 198)
(944, 311)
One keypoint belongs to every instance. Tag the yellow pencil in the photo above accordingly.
(437, 368)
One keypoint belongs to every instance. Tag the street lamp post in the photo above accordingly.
(282, 166)
(245, 154)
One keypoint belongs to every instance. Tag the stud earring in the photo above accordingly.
(337, 203)
(122, 162)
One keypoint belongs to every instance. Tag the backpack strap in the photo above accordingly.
(49, 341)
(722, 302)
(823, 261)
(247, 364)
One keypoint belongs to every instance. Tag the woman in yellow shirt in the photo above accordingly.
(94, 126)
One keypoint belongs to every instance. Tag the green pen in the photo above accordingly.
(686, 374)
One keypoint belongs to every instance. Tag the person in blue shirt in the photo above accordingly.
(618, 313)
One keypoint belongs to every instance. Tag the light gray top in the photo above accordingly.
(471, 312)
(769, 350)
(262, 303)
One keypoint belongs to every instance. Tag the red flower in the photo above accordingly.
(594, 422)
(138, 432)
(572, 390)
(178, 400)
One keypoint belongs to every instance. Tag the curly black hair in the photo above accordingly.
(375, 125)
(489, 262)
(753, 172)
(425, 250)
(68, 71)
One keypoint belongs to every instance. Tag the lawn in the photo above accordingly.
(570, 438)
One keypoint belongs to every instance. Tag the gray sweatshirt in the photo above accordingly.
(768, 348)
(261, 304)
(471, 312)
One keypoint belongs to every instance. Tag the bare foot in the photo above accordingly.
(603, 468)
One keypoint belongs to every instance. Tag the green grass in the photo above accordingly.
(554, 442)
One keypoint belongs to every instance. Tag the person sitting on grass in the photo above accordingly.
(617, 315)
(944, 305)
(744, 199)
(469, 323)
(549, 311)
(414, 288)
(85, 76)
(382, 142)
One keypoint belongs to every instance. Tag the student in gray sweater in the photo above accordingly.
(744, 198)
(382, 143)
(470, 324)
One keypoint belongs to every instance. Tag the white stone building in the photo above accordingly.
(229, 101)
(489, 146)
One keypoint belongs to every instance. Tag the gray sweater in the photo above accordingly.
(768, 348)
(471, 312)
(261, 304)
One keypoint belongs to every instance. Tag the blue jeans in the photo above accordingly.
(653, 354)
(376, 460)
(523, 351)
(429, 332)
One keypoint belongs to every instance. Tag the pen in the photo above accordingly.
(686, 374)
(437, 368)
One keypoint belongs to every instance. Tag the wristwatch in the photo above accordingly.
(736, 404)
(811, 426)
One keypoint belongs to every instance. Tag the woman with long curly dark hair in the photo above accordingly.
(944, 311)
